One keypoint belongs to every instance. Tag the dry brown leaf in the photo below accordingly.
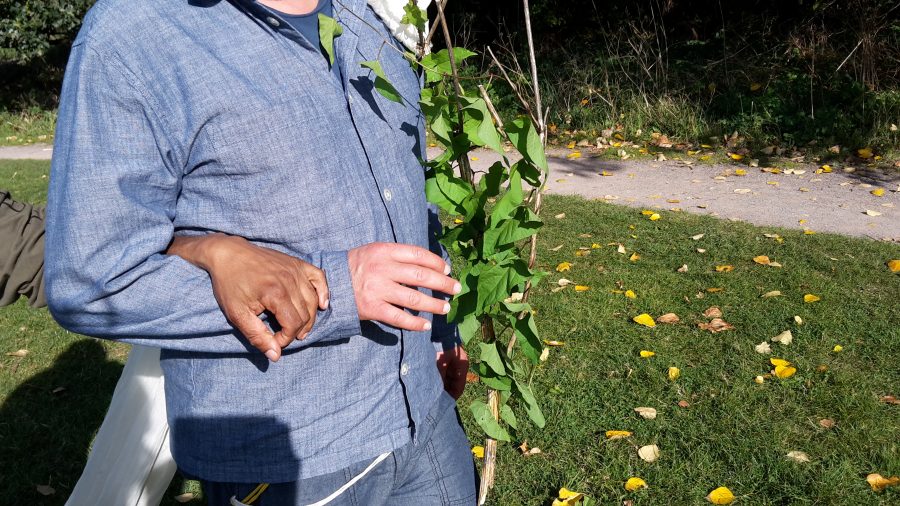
(585, 236)
(17, 353)
(763, 348)
(668, 318)
(684, 404)
(557, 248)
(716, 325)
(649, 453)
(827, 423)
(45, 490)
(683, 268)
(564, 282)
(648, 413)
(560, 216)
(697, 237)
(713, 312)
(471, 377)
(890, 399)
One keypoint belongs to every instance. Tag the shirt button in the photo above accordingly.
(404, 369)
(272, 21)
(388, 195)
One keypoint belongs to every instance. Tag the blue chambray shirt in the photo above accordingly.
(187, 117)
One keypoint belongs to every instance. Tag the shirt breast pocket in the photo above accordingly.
(286, 173)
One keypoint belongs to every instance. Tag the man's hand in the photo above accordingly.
(384, 277)
(452, 366)
(249, 280)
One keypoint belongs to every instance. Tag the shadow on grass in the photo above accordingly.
(48, 422)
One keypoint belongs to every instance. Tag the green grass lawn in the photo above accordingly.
(733, 433)
(27, 126)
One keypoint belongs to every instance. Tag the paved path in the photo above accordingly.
(834, 202)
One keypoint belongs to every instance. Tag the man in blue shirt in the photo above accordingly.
(216, 131)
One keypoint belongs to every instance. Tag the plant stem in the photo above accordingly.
(464, 167)
(489, 468)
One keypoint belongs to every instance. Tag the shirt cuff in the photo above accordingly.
(342, 313)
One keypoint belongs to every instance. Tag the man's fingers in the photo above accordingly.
(289, 316)
(408, 254)
(415, 300)
(305, 297)
(415, 275)
(256, 332)
(317, 279)
(396, 317)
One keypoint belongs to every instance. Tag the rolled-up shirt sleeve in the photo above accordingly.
(114, 185)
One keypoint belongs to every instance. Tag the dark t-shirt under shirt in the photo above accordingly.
(308, 26)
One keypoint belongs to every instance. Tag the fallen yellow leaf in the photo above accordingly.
(617, 434)
(478, 452)
(457, 221)
(810, 298)
(630, 294)
(649, 453)
(655, 217)
(759, 380)
(573, 155)
(647, 353)
(878, 192)
(779, 362)
(582, 288)
(604, 173)
(645, 320)
(762, 260)
(785, 371)
(785, 338)
(894, 265)
(720, 495)
(634, 484)
(647, 212)
(563, 267)
(740, 172)
(724, 268)
(736, 157)
(864, 153)
(773, 293)
(648, 413)
(879, 482)
(837, 348)
(674, 373)
(798, 456)
(568, 498)
(571, 145)
(554, 343)
(634, 257)
(595, 246)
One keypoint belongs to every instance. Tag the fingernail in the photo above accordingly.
(304, 336)
(272, 355)
(446, 269)
(427, 326)
(327, 302)
(446, 308)
(457, 288)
